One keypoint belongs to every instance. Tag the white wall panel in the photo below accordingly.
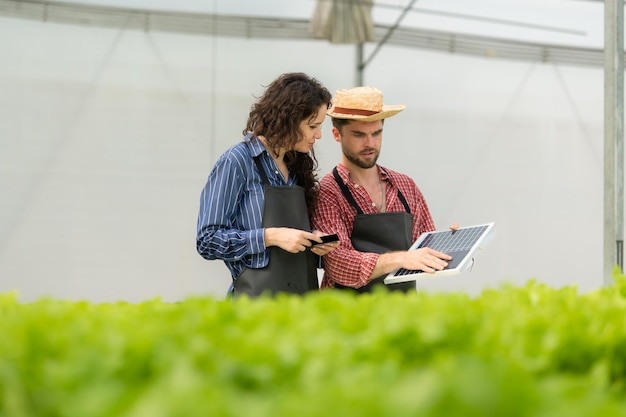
(107, 137)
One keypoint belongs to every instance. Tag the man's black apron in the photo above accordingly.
(379, 233)
(284, 206)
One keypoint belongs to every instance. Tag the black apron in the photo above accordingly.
(284, 206)
(379, 233)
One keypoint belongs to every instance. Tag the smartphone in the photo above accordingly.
(328, 239)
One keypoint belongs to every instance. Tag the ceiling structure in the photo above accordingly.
(286, 27)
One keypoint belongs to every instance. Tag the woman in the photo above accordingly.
(256, 204)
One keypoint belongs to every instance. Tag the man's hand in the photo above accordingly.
(426, 259)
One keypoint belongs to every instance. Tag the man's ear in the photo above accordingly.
(336, 134)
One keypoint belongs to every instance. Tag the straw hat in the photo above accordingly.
(364, 104)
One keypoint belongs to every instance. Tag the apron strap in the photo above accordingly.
(262, 173)
(348, 195)
(346, 192)
(259, 167)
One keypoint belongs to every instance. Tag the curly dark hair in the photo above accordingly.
(287, 101)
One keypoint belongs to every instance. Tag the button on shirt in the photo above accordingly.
(345, 265)
(231, 208)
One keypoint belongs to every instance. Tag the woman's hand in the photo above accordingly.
(296, 240)
(322, 249)
(291, 240)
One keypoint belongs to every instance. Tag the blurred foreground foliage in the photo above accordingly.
(514, 351)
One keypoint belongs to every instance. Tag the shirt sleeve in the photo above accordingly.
(345, 265)
(218, 236)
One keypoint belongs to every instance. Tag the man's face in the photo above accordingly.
(360, 142)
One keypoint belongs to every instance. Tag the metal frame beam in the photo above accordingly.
(285, 28)
(613, 137)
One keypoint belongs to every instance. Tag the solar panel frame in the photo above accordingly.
(461, 244)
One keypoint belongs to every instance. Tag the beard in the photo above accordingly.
(360, 162)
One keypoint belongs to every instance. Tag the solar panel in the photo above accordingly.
(460, 244)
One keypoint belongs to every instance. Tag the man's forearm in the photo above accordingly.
(423, 259)
(386, 263)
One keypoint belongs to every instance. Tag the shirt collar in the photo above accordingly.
(345, 174)
(255, 146)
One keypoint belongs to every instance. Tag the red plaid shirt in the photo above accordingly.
(345, 265)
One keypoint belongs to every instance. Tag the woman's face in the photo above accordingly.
(311, 131)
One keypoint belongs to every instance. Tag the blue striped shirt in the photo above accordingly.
(231, 208)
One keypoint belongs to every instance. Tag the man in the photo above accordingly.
(376, 212)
